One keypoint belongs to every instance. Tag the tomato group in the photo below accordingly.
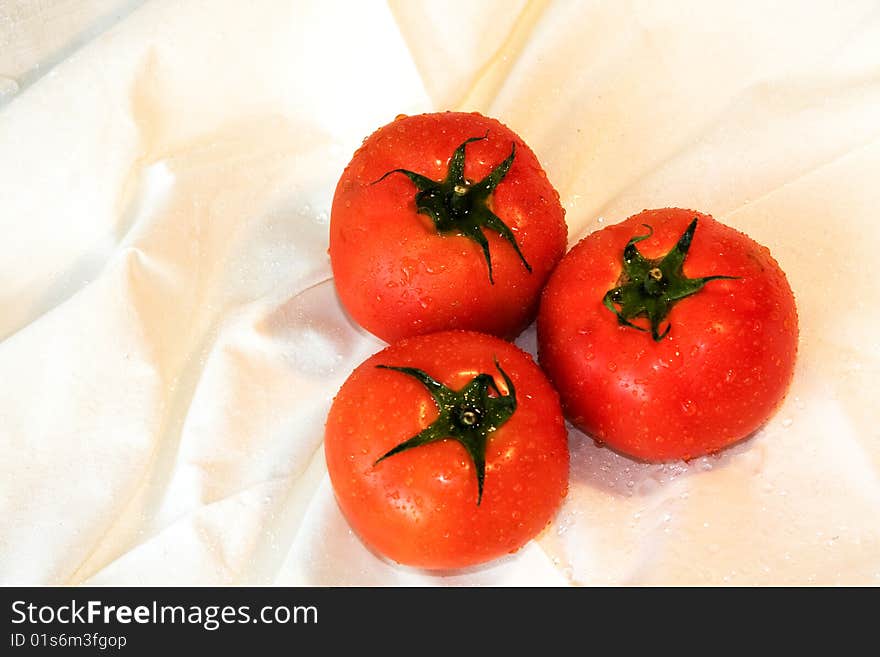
(447, 450)
(444, 221)
(669, 335)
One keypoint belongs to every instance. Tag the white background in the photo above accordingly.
(170, 339)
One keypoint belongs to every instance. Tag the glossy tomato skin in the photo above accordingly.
(397, 276)
(419, 507)
(713, 380)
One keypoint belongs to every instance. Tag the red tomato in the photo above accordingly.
(444, 221)
(405, 449)
(710, 373)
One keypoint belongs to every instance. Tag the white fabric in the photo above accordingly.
(171, 339)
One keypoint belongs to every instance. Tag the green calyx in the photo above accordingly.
(649, 288)
(460, 206)
(468, 416)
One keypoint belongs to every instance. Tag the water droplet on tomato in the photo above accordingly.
(689, 407)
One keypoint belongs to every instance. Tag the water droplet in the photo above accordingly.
(8, 87)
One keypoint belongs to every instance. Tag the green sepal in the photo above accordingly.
(468, 416)
(650, 287)
(460, 206)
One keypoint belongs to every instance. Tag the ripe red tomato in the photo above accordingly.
(447, 450)
(658, 386)
(444, 221)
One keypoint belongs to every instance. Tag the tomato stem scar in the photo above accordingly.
(649, 288)
(468, 415)
(460, 206)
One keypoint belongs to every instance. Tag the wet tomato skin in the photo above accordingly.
(419, 507)
(718, 375)
(397, 276)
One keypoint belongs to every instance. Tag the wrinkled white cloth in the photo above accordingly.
(170, 338)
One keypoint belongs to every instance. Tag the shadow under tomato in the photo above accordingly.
(613, 472)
